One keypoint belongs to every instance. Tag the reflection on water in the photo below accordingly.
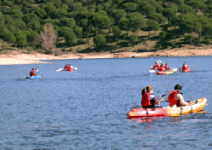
(88, 109)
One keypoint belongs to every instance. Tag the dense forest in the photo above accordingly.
(104, 25)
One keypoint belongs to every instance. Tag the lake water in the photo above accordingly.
(87, 109)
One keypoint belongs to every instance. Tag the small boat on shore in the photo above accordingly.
(196, 105)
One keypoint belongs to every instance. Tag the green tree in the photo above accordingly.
(170, 12)
(129, 7)
(62, 31)
(125, 24)
(76, 7)
(30, 17)
(14, 12)
(7, 36)
(118, 14)
(20, 38)
(78, 31)
(41, 13)
(152, 25)
(71, 38)
(116, 32)
(99, 41)
(158, 17)
(101, 22)
(189, 38)
(1, 18)
(136, 21)
(31, 36)
(69, 22)
(184, 9)
(133, 39)
(34, 25)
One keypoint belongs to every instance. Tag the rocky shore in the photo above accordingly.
(14, 57)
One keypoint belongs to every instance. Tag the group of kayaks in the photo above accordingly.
(168, 72)
(159, 111)
(60, 69)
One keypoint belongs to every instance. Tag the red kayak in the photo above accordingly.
(147, 112)
(186, 70)
(69, 70)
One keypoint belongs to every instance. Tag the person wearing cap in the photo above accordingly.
(176, 97)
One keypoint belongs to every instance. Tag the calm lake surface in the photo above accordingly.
(87, 109)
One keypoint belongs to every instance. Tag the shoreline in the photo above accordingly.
(14, 57)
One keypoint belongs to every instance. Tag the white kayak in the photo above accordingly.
(155, 71)
(74, 69)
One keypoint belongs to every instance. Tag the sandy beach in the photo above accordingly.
(14, 57)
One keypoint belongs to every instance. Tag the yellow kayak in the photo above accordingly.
(196, 106)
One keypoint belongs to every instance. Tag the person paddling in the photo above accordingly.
(66, 67)
(161, 69)
(166, 67)
(148, 98)
(185, 67)
(176, 97)
(156, 67)
(32, 73)
(70, 68)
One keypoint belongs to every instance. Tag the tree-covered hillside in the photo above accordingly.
(104, 24)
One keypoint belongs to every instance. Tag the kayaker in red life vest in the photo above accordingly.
(166, 67)
(70, 68)
(156, 67)
(66, 67)
(32, 73)
(176, 98)
(148, 99)
(185, 67)
(162, 67)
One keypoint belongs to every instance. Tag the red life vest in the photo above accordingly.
(184, 67)
(33, 73)
(69, 68)
(166, 68)
(146, 100)
(173, 98)
(156, 66)
(66, 66)
(161, 69)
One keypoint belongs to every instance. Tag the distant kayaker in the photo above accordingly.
(148, 98)
(32, 73)
(161, 68)
(66, 67)
(176, 97)
(185, 67)
(156, 67)
(166, 67)
(70, 68)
